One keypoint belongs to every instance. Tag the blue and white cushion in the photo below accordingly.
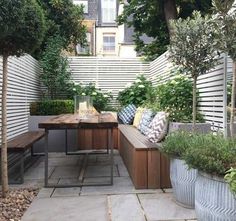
(158, 127)
(145, 121)
(126, 115)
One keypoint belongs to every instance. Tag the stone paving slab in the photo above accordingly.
(37, 173)
(45, 193)
(59, 161)
(100, 171)
(161, 206)
(122, 185)
(66, 192)
(65, 172)
(90, 208)
(125, 208)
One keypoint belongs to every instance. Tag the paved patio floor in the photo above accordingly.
(120, 202)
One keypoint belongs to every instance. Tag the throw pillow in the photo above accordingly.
(145, 121)
(126, 115)
(158, 127)
(138, 116)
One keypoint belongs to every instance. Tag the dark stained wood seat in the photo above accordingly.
(147, 166)
(16, 148)
(24, 141)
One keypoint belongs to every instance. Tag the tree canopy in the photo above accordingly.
(65, 19)
(151, 17)
(22, 26)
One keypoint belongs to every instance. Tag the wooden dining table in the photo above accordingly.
(75, 121)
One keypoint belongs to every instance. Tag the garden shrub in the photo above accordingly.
(175, 97)
(230, 178)
(212, 154)
(137, 93)
(177, 143)
(100, 99)
(52, 107)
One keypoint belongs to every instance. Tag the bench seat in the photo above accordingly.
(147, 166)
(17, 148)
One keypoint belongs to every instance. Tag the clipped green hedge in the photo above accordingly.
(52, 107)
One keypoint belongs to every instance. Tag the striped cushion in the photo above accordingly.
(158, 127)
(126, 115)
(138, 116)
(145, 121)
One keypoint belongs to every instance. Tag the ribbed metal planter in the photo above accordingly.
(183, 182)
(213, 199)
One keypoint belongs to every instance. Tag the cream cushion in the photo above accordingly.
(138, 116)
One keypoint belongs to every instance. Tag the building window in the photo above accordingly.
(109, 43)
(84, 3)
(108, 11)
(87, 48)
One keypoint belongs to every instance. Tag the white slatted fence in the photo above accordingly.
(210, 85)
(23, 88)
(107, 73)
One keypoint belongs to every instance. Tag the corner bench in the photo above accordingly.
(17, 147)
(147, 166)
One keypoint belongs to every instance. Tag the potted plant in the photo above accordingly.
(192, 49)
(182, 178)
(213, 156)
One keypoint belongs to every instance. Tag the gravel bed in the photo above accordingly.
(15, 204)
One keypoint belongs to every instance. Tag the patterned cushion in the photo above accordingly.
(158, 127)
(126, 115)
(138, 116)
(145, 121)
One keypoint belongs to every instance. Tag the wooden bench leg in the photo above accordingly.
(22, 168)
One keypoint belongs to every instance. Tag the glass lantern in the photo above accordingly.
(83, 105)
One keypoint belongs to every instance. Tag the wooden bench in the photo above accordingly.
(17, 147)
(147, 166)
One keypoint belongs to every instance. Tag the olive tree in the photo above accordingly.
(192, 47)
(225, 22)
(22, 28)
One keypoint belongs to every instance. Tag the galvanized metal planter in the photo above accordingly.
(213, 199)
(183, 182)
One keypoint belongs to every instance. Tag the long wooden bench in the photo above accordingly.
(147, 166)
(17, 147)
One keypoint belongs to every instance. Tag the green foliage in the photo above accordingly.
(225, 24)
(100, 99)
(136, 93)
(212, 154)
(22, 26)
(175, 97)
(177, 143)
(64, 19)
(192, 46)
(52, 107)
(230, 178)
(55, 76)
(149, 17)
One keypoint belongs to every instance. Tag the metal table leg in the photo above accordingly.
(110, 144)
(46, 159)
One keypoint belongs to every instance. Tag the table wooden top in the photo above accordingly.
(74, 121)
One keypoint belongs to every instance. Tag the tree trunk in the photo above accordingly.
(170, 11)
(233, 100)
(194, 101)
(4, 129)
